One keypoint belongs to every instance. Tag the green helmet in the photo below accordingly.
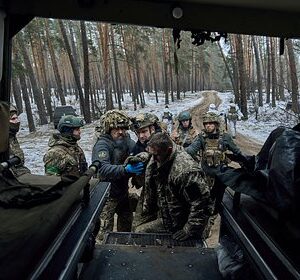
(69, 121)
(115, 119)
(184, 116)
(144, 120)
(211, 117)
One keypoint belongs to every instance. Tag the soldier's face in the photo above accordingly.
(118, 133)
(185, 123)
(210, 127)
(144, 134)
(77, 132)
(14, 119)
(159, 155)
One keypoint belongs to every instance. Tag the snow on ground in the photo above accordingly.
(36, 144)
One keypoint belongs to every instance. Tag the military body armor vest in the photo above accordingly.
(213, 153)
(232, 113)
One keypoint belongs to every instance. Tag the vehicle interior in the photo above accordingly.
(253, 225)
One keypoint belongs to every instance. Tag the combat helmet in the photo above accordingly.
(115, 119)
(184, 116)
(211, 117)
(69, 121)
(143, 120)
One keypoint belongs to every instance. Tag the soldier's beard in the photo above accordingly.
(120, 142)
(14, 128)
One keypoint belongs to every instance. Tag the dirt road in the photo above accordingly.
(247, 145)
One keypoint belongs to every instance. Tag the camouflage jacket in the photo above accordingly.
(15, 150)
(178, 191)
(112, 157)
(64, 157)
(184, 137)
(212, 148)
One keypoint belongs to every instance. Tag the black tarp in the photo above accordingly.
(25, 234)
(275, 178)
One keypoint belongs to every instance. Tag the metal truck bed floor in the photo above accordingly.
(122, 262)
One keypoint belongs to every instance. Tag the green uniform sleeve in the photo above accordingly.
(196, 146)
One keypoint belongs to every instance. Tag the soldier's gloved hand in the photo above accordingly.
(137, 168)
(181, 235)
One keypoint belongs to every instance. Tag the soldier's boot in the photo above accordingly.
(124, 221)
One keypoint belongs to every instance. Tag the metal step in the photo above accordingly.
(116, 262)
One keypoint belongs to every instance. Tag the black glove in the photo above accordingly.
(181, 235)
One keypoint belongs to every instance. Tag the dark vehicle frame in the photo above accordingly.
(271, 251)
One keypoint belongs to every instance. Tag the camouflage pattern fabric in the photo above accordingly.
(64, 157)
(113, 206)
(112, 119)
(212, 148)
(178, 193)
(156, 226)
(15, 150)
(184, 137)
(112, 156)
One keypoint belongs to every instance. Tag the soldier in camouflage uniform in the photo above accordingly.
(111, 149)
(144, 125)
(14, 146)
(175, 190)
(64, 156)
(213, 145)
(185, 133)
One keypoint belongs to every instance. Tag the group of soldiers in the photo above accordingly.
(175, 171)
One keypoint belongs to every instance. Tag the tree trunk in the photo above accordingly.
(36, 91)
(294, 78)
(241, 66)
(273, 72)
(165, 68)
(268, 82)
(226, 66)
(54, 65)
(30, 120)
(17, 94)
(118, 86)
(86, 71)
(281, 80)
(103, 33)
(74, 67)
(258, 72)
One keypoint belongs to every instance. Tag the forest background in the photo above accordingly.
(100, 63)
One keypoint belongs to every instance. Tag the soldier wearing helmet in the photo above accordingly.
(167, 119)
(233, 115)
(144, 125)
(112, 148)
(185, 133)
(213, 145)
(64, 156)
(14, 146)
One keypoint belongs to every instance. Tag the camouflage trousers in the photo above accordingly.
(232, 124)
(155, 226)
(113, 206)
(140, 217)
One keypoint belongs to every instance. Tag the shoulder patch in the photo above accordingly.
(103, 154)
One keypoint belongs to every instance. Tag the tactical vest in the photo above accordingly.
(213, 153)
(232, 113)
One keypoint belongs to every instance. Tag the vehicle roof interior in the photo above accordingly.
(268, 17)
